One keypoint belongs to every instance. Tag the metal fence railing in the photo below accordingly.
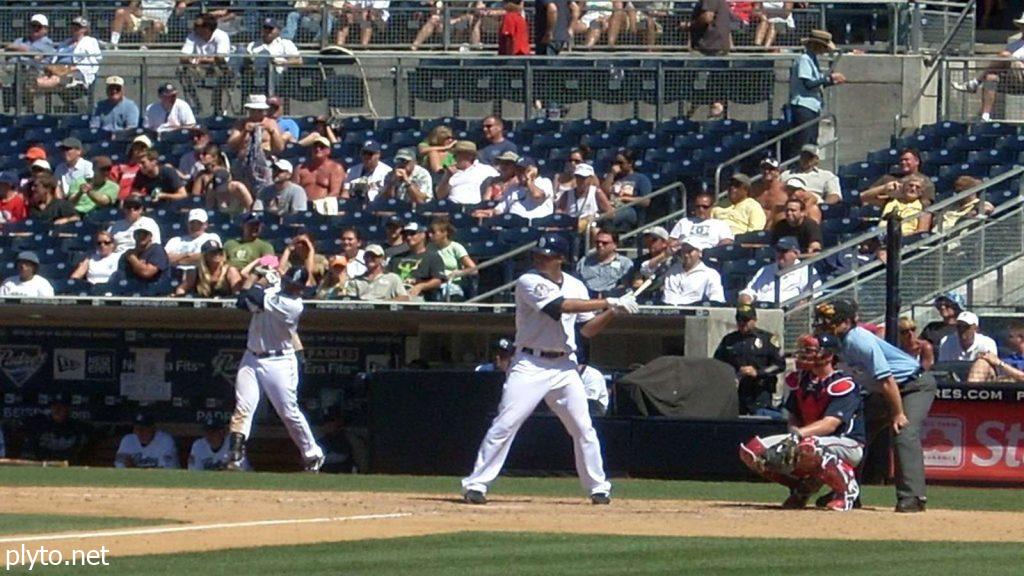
(937, 263)
(936, 23)
(452, 25)
(413, 85)
(1000, 79)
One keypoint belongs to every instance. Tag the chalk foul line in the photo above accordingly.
(197, 528)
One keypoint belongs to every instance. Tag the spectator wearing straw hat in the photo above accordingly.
(27, 284)
(169, 112)
(806, 81)
(117, 112)
(463, 181)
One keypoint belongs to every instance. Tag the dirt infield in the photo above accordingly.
(205, 518)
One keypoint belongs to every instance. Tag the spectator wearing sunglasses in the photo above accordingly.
(101, 263)
(123, 230)
(701, 230)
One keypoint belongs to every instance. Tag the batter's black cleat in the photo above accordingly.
(236, 452)
(474, 497)
(600, 498)
(823, 501)
(910, 505)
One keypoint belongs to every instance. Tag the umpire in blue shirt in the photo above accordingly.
(899, 395)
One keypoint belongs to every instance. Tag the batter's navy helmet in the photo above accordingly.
(296, 275)
(552, 245)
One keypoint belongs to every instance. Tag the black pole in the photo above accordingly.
(893, 245)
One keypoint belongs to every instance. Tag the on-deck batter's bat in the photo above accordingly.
(659, 272)
(37, 463)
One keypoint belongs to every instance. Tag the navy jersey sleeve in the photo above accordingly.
(844, 399)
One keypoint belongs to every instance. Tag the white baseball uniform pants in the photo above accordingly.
(530, 380)
(278, 376)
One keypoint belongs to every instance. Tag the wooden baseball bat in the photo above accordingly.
(36, 463)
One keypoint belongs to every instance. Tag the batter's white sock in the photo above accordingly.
(115, 37)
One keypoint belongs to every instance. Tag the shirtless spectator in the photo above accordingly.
(770, 191)
(320, 176)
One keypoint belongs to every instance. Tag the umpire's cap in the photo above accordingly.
(552, 245)
(296, 276)
(215, 422)
(835, 312)
(143, 420)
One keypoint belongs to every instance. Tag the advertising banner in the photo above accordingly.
(974, 433)
(184, 375)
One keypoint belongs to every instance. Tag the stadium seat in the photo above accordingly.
(887, 157)
(991, 157)
(759, 237)
(945, 129)
(435, 206)
(920, 142)
(630, 126)
(456, 124)
(576, 129)
(555, 222)
(737, 273)
(969, 142)
(357, 124)
(388, 206)
(717, 255)
(677, 126)
(407, 138)
(513, 237)
(390, 125)
(719, 128)
(37, 121)
(602, 141)
(475, 234)
(507, 221)
(994, 129)
(485, 249)
(69, 287)
(693, 141)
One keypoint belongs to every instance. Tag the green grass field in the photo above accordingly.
(484, 554)
(33, 523)
(939, 496)
(481, 554)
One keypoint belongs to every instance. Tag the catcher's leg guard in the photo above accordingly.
(751, 453)
(236, 451)
(808, 458)
(841, 478)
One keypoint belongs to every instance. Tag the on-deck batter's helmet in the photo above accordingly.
(296, 276)
(552, 245)
(814, 351)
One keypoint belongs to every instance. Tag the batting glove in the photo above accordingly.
(624, 304)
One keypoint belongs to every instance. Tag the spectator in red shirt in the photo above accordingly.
(12, 202)
(124, 174)
(514, 35)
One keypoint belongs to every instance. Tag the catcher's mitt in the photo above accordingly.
(782, 456)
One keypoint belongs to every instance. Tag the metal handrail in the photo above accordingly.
(933, 209)
(505, 287)
(931, 62)
(775, 141)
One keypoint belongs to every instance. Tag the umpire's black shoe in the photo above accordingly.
(823, 501)
(474, 497)
(600, 498)
(910, 505)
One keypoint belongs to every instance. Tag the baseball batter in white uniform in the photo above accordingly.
(549, 304)
(269, 363)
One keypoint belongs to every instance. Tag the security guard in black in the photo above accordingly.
(755, 355)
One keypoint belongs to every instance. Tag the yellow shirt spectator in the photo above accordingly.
(908, 211)
(745, 216)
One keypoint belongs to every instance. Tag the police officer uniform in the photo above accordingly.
(757, 348)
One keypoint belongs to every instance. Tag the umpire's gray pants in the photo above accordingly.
(917, 401)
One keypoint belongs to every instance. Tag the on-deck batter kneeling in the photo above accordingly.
(549, 304)
(269, 363)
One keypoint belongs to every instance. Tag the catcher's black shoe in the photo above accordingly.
(910, 505)
(474, 497)
(600, 498)
(823, 501)
(797, 500)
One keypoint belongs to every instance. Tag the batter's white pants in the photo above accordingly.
(278, 376)
(530, 380)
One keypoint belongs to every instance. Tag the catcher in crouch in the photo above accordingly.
(826, 431)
